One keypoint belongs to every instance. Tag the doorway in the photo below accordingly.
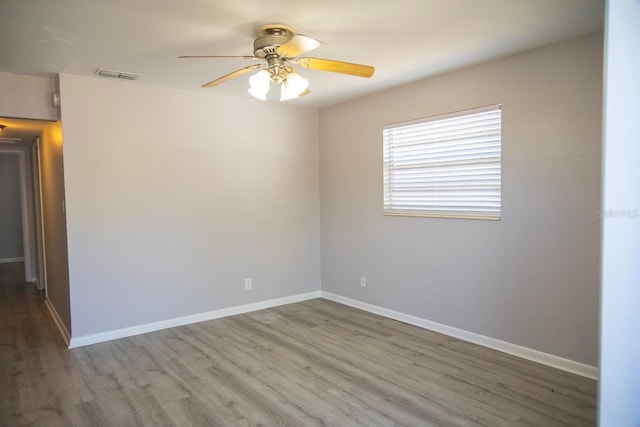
(21, 242)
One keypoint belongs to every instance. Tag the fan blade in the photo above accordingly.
(297, 45)
(336, 66)
(218, 56)
(230, 76)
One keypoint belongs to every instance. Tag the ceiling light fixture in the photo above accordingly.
(292, 85)
(2, 128)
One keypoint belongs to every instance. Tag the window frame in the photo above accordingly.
(488, 212)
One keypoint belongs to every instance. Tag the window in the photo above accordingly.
(445, 166)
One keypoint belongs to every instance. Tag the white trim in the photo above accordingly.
(58, 321)
(37, 221)
(186, 320)
(42, 252)
(8, 260)
(506, 347)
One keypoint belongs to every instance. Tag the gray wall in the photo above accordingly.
(175, 197)
(530, 279)
(55, 231)
(620, 341)
(11, 244)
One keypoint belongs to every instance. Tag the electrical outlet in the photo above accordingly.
(248, 284)
(363, 281)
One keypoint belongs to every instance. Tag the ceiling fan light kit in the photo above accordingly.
(292, 85)
(278, 46)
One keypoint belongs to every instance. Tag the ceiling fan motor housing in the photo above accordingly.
(270, 38)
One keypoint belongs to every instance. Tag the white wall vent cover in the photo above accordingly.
(117, 74)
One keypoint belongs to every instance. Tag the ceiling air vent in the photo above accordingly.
(122, 75)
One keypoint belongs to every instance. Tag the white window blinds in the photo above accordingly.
(447, 166)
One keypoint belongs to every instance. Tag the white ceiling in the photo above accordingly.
(405, 40)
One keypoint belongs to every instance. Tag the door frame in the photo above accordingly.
(36, 177)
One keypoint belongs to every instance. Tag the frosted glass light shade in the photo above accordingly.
(293, 86)
(260, 94)
(259, 84)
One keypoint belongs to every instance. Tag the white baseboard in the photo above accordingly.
(506, 347)
(8, 260)
(186, 320)
(58, 321)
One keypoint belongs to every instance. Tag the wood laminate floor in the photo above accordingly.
(305, 364)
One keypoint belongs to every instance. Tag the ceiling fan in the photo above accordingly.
(280, 47)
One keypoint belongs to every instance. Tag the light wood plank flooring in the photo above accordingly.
(305, 364)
